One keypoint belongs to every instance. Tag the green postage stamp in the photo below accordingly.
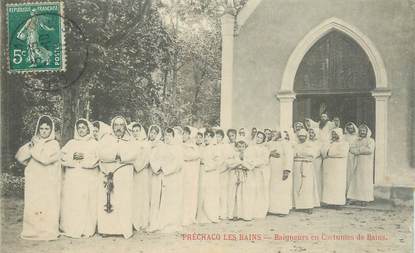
(36, 38)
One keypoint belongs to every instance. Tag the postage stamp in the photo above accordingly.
(36, 37)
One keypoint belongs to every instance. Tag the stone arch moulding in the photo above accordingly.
(286, 94)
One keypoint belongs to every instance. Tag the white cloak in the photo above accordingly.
(209, 188)
(119, 220)
(79, 190)
(241, 185)
(261, 173)
(335, 173)
(361, 179)
(304, 188)
(280, 193)
(191, 170)
(42, 190)
(142, 186)
(166, 203)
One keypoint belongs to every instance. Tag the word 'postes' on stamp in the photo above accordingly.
(36, 37)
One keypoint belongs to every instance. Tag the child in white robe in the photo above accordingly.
(242, 189)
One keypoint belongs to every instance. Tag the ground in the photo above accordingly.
(392, 226)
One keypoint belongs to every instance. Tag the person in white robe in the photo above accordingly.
(142, 177)
(116, 183)
(335, 170)
(280, 190)
(231, 135)
(261, 173)
(241, 192)
(303, 174)
(209, 187)
(317, 163)
(191, 170)
(350, 136)
(361, 179)
(223, 154)
(42, 187)
(166, 204)
(80, 183)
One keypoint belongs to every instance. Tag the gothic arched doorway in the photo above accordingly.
(335, 76)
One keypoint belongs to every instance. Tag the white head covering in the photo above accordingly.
(339, 132)
(356, 130)
(90, 128)
(298, 123)
(159, 134)
(316, 130)
(193, 133)
(127, 134)
(302, 132)
(178, 134)
(143, 134)
(52, 131)
(103, 130)
(369, 132)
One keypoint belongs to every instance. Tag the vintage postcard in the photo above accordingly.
(207, 126)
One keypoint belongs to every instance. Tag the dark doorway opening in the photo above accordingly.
(335, 77)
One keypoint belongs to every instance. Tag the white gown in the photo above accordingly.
(242, 188)
(191, 170)
(261, 173)
(166, 204)
(303, 177)
(142, 186)
(361, 180)
(335, 173)
(117, 220)
(223, 152)
(42, 189)
(79, 190)
(280, 200)
(209, 188)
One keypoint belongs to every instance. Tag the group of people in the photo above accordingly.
(112, 179)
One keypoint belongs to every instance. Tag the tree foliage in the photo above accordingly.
(155, 61)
